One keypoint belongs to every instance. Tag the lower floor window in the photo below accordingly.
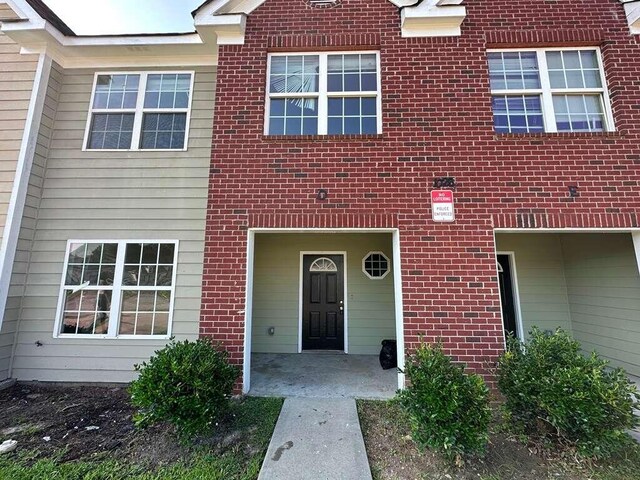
(117, 289)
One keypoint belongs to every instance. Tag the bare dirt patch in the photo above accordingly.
(393, 454)
(71, 423)
(95, 423)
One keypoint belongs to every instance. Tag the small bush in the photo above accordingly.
(186, 383)
(448, 410)
(553, 389)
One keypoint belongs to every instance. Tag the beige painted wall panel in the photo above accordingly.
(17, 73)
(14, 101)
(114, 195)
(370, 303)
(6, 13)
(540, 275)
(604, 295)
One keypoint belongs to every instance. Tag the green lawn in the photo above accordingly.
(250, 422)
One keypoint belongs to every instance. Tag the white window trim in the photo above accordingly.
(547, 92)
(116, 296)
(139, 112)
(323, 94)
(364, 270)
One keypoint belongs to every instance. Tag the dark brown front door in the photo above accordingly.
(323, 302)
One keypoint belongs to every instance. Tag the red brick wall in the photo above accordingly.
(437, 121)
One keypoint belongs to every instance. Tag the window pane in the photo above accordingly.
(589, 59)
(111, 131)
(513, 70)
(310, 126)
(86, 312)
(369, 125)
(579, 113)
(163, 131)
(147, 275)
(144, 324)
(276, 126)
(335, 126)
(352, 115)
(289, 116)
(161, 324)
(293, 126)
(163, 301)
(145, 312)
(352, 73)
(517, 113)
(167, 252)
(167, 90)
(294, 74)
(116, 91)
(574, 69)
(164, 276)
(133, 253)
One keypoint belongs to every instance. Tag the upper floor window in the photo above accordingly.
(324, 93)
(549, 90)
(140, 111)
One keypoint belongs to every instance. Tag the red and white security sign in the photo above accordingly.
(442, 206)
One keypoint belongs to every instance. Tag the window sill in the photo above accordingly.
(63, 336)
(558, 135)
(323, 138)
(129, 150)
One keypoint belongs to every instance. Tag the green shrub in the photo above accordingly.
(186, 383)
(448, 410)
(553, 389)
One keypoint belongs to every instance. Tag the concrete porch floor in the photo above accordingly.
(321, 375)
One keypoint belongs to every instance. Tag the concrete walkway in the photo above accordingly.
(317, 439)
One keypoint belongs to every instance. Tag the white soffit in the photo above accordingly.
(35, 35)
(433, 18)
(632, 10)
(220, 22)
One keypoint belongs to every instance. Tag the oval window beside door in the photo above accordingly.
(323, 264)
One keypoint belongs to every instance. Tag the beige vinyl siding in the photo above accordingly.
(604, 296)
(16, 82)
(6, 13)
(111, 195)
(276, 284)
(540, 276)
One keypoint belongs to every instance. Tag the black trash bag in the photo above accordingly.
(388, 355)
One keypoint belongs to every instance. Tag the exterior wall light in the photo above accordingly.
(322, 194)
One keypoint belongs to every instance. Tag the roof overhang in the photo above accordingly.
(418, 18)
(36, 35)
(217, 22)
(632, 10)
(433, 18)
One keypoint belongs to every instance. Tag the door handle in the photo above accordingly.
(341, 306)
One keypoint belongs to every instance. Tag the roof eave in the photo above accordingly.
(632, 11)
(433, 18)
(112, 51)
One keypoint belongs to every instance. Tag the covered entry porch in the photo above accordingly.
(319, 304)
(586, 283)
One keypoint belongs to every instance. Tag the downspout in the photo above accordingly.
(21, 179)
